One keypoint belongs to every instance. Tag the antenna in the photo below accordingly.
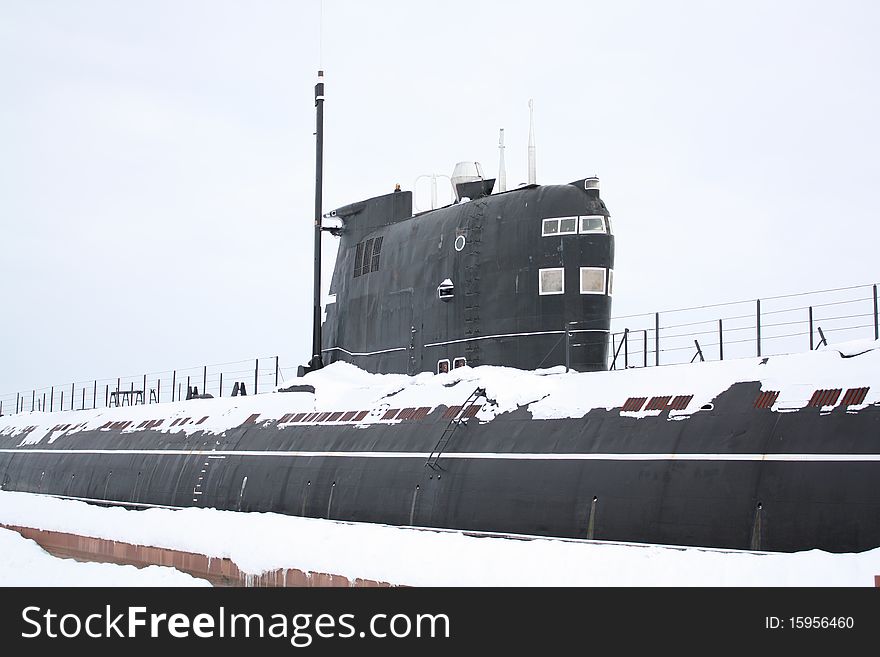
(317, 362)
(532, 177)
(502, 171)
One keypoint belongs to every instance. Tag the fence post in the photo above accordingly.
(205, 380)
(62, 400)
(626, 349)
(159, 390)
(52, 400)
(72, 396)
(256, 374)
(44, 402)
(173, 383)
(568, 346)
(144, 390)
(17, 396)
(276, 371)
(118, 383)
(811, 328)
(876, 325)
(84, 398)
(95, 396)
(758, 325)
(645, 348)
(106, 395)
(720, 340)
(188, 388)
(221, 385)
(656, 338)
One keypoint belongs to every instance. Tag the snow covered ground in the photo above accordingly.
(259, 542)
(24, 563)
(551, 393)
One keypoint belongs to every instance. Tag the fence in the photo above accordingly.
(758, 327)
(258, 376)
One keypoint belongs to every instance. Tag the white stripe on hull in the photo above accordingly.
(500, 456)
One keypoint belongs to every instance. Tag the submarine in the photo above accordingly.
(460, 381)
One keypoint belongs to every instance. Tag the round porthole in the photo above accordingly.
(459, 242)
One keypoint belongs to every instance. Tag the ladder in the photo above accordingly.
(433, 461)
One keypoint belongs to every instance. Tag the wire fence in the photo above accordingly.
(218, 380)
(757, 327)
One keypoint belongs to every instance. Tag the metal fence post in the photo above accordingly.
(276, 371)
(72, 396)
(173, 383)
(62, 400)
(626, 349)
(720, 339)
(159, 390)
(52, 400)
(44, 403)
(876, 325)
(656, 338)
(106, 395)
(811, 327)
(758, 324)
(144, 390)
(205, 380)
(17, 397)
(256, 374)
(567, 346)
(84, 398)
(95, 396)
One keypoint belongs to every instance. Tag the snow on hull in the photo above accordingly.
(546, 394)
(261, 542)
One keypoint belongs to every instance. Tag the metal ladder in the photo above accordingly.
(433, 461)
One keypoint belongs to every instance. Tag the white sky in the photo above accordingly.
(157, 158)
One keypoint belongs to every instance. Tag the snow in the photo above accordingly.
(546, 394)
(259, 542)
(25, 563)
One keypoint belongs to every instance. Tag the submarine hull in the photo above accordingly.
(732, 477)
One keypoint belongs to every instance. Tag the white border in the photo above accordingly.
(558, 225)
(604, 280)
(592, 232)
(448, 367)
(455, 360)
(541, 283)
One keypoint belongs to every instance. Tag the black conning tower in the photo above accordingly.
(493, 280)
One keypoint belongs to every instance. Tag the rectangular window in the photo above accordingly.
(368, 256)
(359, 259)
(443, 366)
(610, 281)
(551, 281)
(459, 362)
(559, 226)
(592, 224)
(377, 249)
(592, 280)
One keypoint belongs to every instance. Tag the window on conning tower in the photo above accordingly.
(559, 226)
(551, 281)
(593, 224)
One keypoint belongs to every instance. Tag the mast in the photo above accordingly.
(502, 170)
(532, 177)
(317, 362)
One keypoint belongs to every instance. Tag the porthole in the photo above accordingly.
(459, 243)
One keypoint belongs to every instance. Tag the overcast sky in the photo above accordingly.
(157, 158)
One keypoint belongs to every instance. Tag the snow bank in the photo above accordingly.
(259, 542)
(25, 563)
